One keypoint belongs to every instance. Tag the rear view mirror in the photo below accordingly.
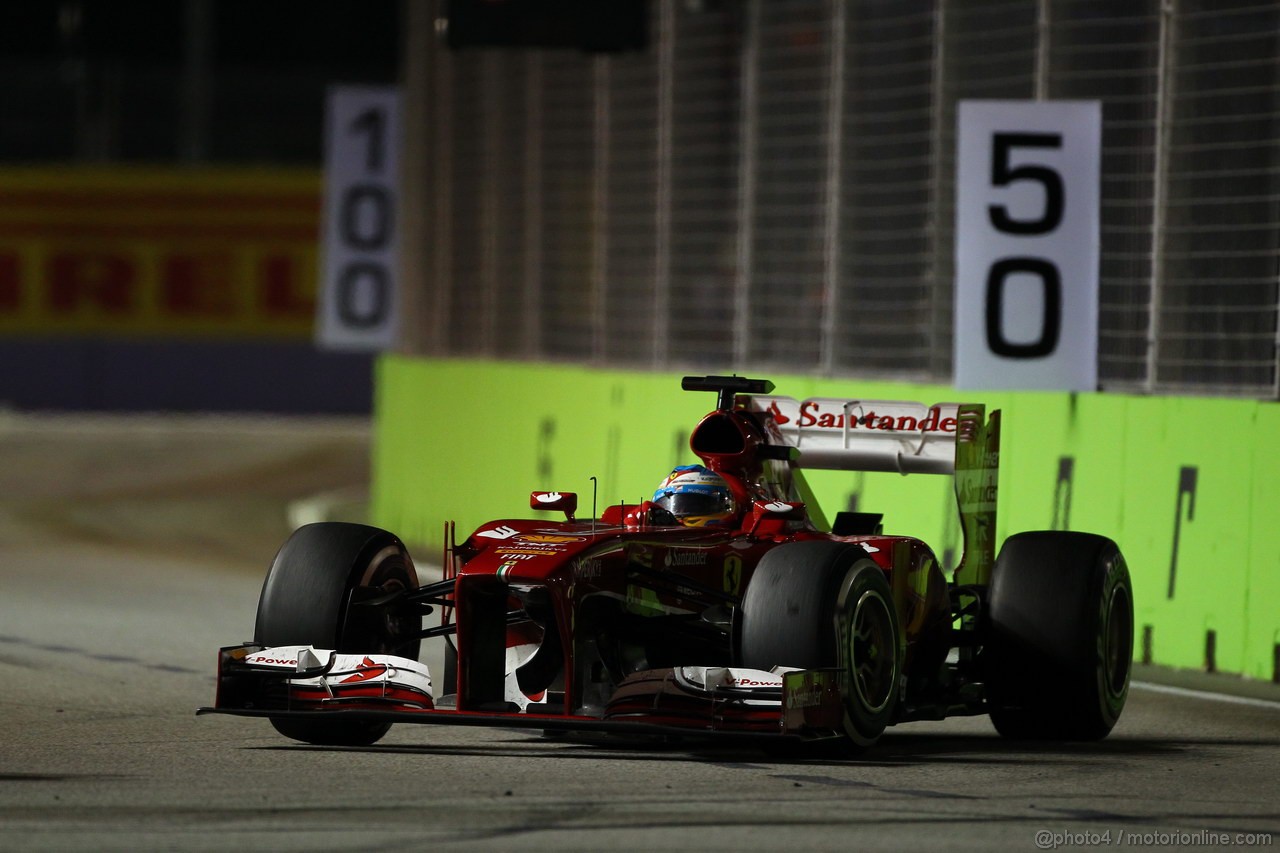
(566, 502)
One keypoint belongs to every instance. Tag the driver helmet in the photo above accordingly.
(695, 496)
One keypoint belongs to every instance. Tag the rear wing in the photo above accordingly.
(869, 435)
(909, 438)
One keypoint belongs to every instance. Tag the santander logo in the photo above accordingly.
(811, 415)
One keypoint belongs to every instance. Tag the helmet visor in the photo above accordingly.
(689, 502)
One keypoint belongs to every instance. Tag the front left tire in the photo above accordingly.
(820, 605)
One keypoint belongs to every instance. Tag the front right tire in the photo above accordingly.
(306, 601)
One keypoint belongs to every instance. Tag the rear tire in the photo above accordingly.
(1060, 646)
(305, 600)
(819, 605)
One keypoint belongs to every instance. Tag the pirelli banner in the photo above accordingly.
(158, 252)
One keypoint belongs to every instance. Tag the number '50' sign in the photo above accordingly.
(357, 308)
(1027, 213)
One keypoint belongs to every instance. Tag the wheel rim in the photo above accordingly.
(383, 636)
(1118, 651)
(873, 652)
(392, 627)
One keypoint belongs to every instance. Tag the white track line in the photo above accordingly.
(1206, 694)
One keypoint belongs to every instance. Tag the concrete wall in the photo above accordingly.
(1188, 487)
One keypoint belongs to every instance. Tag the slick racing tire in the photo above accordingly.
(305, 601)
(1060, 642)
(817, 605)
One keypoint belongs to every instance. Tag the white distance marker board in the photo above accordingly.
(1027, 236)
(358, 308)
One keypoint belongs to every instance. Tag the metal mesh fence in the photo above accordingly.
(1215, 307)
(888, 235)
(783, 266)
(1111, 51)
(700, 144)
(770, 184)
(627, 193)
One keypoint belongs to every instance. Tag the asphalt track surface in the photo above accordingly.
(129, 551)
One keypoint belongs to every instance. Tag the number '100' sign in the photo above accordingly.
(357, 308)
(1027, 197)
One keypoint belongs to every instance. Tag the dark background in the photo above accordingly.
(186, 84)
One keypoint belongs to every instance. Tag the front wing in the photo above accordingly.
(705, 702)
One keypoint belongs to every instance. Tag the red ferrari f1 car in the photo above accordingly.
(725, 606)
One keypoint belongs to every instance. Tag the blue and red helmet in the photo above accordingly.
(695, 496)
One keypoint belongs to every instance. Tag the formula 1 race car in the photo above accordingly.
(724, 606)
